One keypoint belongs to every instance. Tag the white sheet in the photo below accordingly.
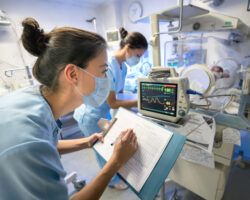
(152, 140)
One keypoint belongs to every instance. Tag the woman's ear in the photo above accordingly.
(127, 50)
(71, 73)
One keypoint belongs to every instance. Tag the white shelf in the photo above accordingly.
(188, 11)
(173, 13)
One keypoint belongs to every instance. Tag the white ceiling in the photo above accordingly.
(90, 3)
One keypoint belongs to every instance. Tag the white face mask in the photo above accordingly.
(132, 61)
(99, 96)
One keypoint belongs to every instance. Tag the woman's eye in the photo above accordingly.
(105, 70)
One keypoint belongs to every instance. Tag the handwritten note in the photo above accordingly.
(231, 136)
(152, 140)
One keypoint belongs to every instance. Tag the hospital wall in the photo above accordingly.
(108, 16)
(49, 14)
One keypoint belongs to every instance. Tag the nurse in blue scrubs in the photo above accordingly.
(71, 67)
(132, 47)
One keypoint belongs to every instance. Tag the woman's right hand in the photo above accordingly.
(125, 147)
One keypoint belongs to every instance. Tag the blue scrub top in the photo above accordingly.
(30, 166)
(119, 74)
(88, 116)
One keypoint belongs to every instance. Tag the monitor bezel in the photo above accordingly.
(159, 114)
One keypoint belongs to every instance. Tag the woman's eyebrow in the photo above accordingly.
(105, 70)
(104, 65)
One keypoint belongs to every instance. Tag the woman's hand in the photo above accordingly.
(68, 146)
(125, 147)
(94, 138)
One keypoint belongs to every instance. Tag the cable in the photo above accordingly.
(209, 102)
(218, 95)
(201, 105)
(193, 92)
(190, 91)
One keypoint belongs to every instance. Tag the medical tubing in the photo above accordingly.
(190, 91)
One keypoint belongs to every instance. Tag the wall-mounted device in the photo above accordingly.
(3, 18)
(113, 36)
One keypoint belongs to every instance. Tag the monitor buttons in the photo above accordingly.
(182, 113)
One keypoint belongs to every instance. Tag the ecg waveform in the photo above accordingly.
(153, 100)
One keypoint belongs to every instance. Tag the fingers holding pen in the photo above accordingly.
(128, 136)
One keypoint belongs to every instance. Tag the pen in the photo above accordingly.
(104, 133)
(116, 140)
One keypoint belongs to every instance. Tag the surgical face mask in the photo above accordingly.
(132, 61)
(99, 96)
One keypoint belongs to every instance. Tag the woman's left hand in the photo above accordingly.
(94, 138)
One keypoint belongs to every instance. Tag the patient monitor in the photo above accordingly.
(163, 97)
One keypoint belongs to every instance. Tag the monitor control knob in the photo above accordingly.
(196, 26)
(182, 113)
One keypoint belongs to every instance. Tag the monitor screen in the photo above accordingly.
(159, 97)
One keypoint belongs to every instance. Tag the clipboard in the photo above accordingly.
(162, 168)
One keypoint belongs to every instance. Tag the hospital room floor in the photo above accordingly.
(84, 163)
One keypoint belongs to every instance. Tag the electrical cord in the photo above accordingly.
(194, 105)
(209, 102)
(218, 95)
(193, 92)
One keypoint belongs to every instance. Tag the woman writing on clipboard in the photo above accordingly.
(132, 47)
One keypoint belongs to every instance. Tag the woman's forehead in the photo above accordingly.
(139, 51)
(100, 60)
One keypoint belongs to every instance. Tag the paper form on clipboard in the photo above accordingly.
(152, 140)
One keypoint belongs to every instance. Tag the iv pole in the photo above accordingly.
(92, 21)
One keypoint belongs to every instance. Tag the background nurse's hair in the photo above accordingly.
(58, 48)
(135, 40)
